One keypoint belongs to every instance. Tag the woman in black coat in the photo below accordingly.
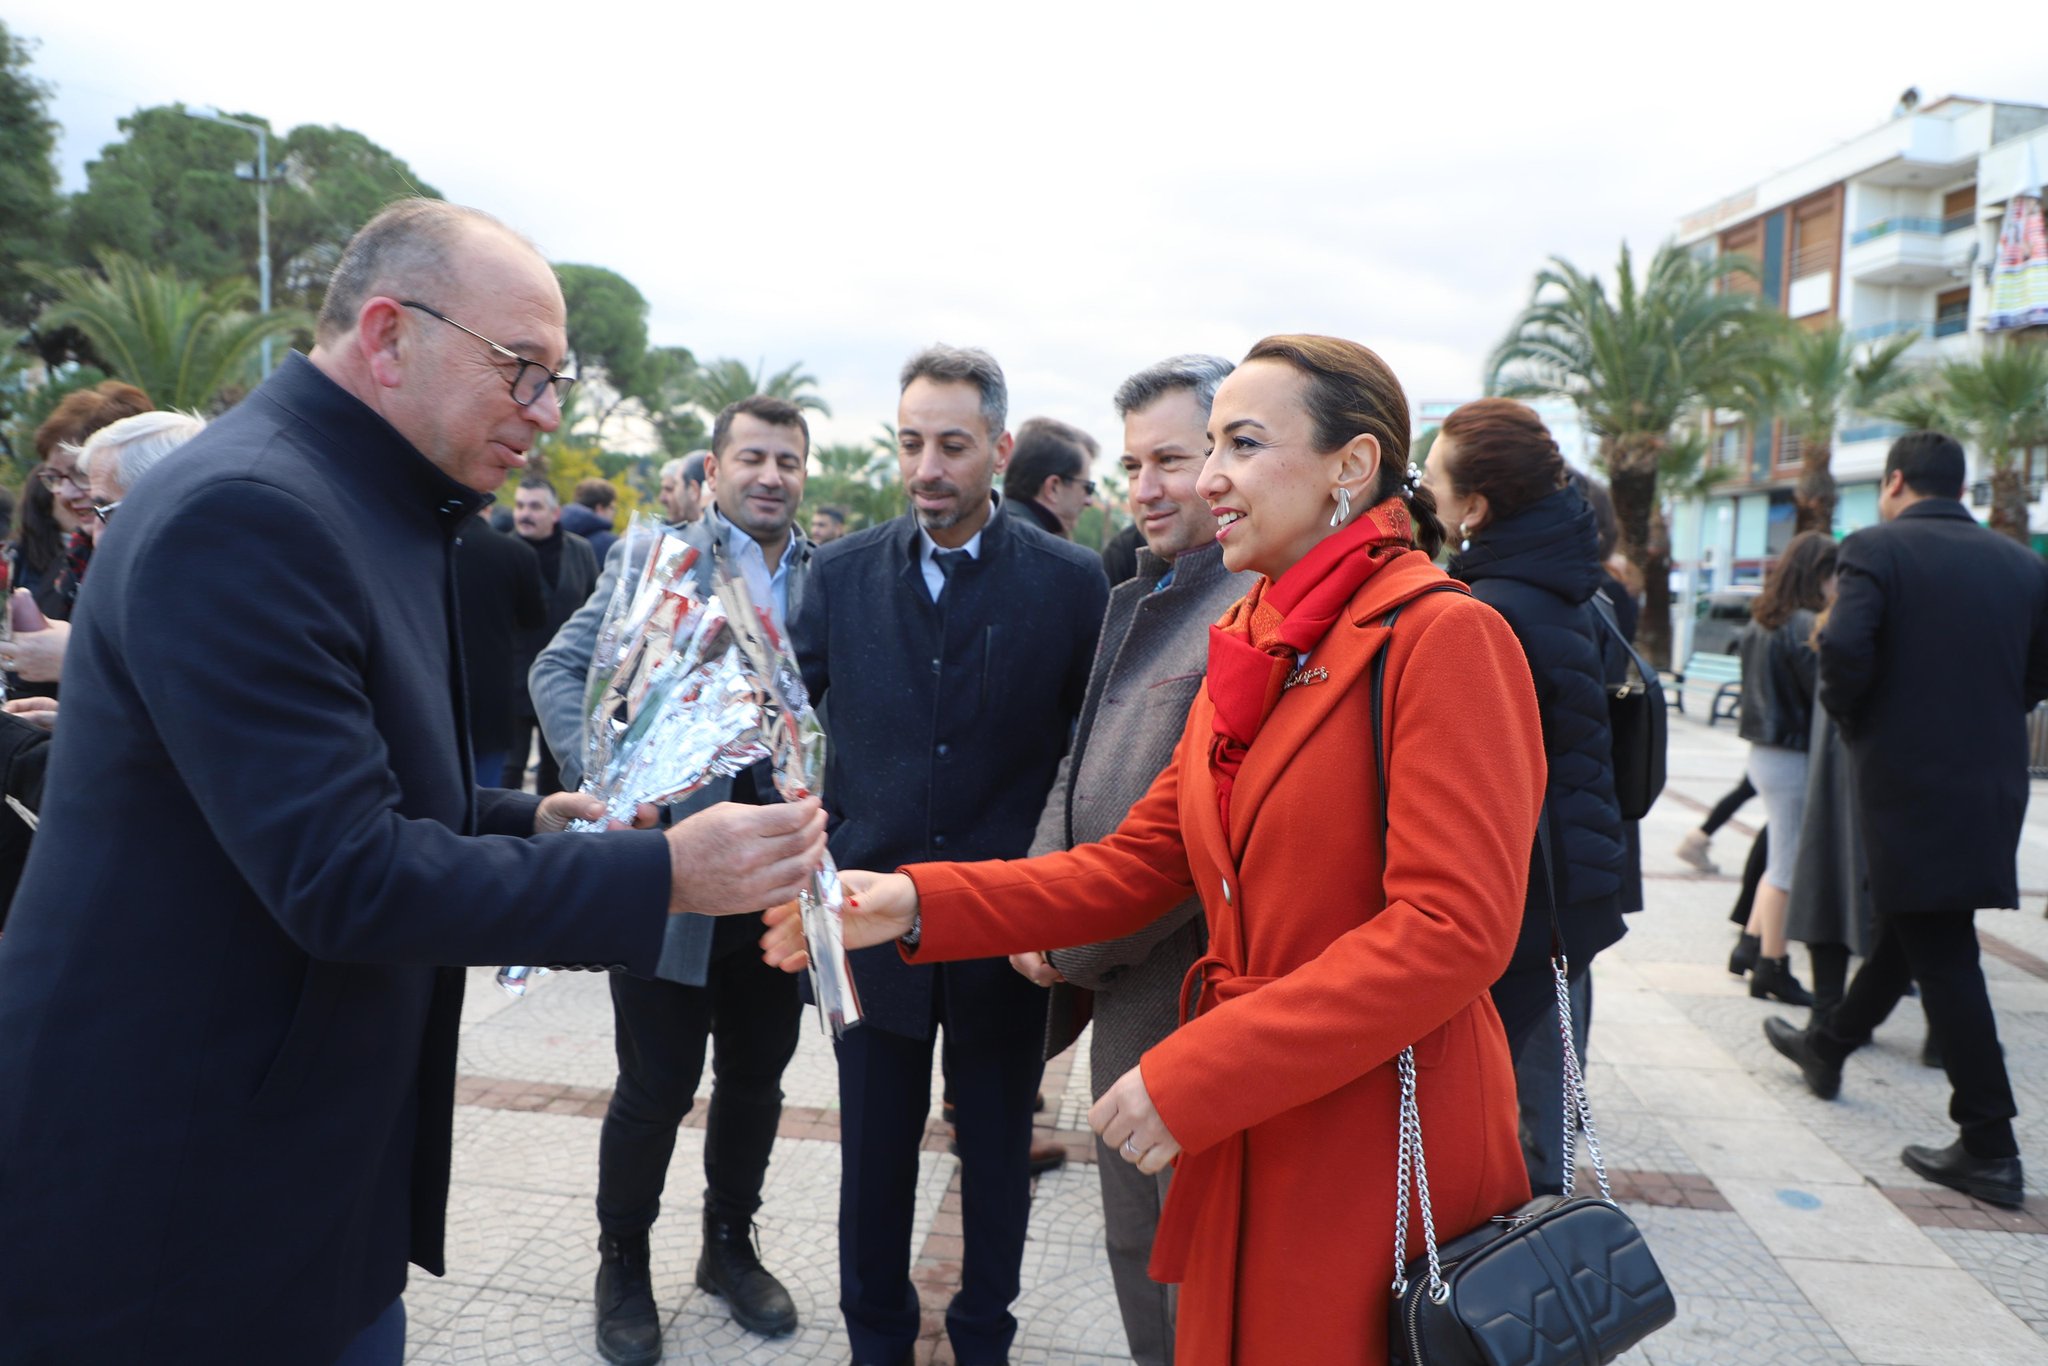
(1529, 548)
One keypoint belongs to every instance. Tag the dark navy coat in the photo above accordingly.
(1540, 569)
(946, 721)
(227, 1048)
(1934, 652)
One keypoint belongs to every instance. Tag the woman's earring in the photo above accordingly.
(1343, 512)
(1464, 537)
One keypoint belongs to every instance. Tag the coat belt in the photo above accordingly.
(1210, 982)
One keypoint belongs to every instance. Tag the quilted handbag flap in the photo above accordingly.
(1579, 1278)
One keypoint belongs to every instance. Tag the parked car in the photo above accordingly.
(1719, 618)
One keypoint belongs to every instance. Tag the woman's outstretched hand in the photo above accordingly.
(879, 908)
(1125, 1119)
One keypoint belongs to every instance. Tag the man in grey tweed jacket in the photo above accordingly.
(1148, 667)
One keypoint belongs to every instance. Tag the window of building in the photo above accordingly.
(1959, 209)
(1952, 312)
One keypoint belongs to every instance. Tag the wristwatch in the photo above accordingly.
(910, 936)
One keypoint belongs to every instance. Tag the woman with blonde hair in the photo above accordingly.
(1348, 919)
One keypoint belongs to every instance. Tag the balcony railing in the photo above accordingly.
(1897, 327)
(1957, 222)
(1949, 327)
(1884, 227)
(1870, 431)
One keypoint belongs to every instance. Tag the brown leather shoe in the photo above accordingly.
(1046, 1154)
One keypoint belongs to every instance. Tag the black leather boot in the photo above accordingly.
(1743, 956)
(628, 1325)
(730, 1268)
(1772, 980)
(1817, 1062)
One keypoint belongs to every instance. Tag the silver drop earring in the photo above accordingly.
(1343, 512)
(1464, 538)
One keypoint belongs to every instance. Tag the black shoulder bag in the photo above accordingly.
(1637, 720)
(1562, 1281)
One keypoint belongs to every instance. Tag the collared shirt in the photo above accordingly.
(746, 553)
(933, 579)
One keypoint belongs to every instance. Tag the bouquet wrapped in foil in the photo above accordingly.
(684, 691)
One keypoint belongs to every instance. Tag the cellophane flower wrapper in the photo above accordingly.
(684, 709)
(797, 755)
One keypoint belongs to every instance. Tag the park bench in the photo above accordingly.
(1721, 673)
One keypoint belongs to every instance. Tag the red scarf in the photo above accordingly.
(1254, 647)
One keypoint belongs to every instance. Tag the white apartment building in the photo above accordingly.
(1890, 232)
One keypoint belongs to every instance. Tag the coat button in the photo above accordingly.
(938, 841)
(944, 749)
(1226, 891)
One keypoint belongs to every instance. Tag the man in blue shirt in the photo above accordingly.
(710, 984)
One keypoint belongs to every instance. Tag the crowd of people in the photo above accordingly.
(1261, 789)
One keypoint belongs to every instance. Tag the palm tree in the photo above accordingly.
(713, 386)
(184, 344)
(1818, 382)
(2000, 401)
(1671, 346)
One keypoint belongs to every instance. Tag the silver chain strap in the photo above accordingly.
(1411, 1157)
(1577, 1105)
(1578, 1113)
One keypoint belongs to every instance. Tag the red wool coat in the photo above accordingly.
(1326, 959)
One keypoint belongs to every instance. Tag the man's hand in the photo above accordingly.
(1037, 967)
(558, 809)
(879, 908)
(1128, 1123)
(40, 712)
(37, 656)
(730, 859)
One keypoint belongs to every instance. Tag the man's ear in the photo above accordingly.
(382, 340)
(1047, 489)
(1004, 444)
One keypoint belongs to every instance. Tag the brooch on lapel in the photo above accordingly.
(1302, 677)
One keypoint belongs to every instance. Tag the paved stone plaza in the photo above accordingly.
(1787, 1226)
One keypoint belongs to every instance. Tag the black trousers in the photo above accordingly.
(548, 780)
(993, 1068)
(1725, 809)
(1938, 951)
(750, 1013)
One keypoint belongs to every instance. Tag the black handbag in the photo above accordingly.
(1562, 1281)
(1637, 720)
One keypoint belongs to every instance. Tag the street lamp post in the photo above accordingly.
(261, 175)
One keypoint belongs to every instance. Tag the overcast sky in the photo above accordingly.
(1080, 188)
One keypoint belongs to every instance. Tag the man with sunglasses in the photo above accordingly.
(229, 1031)
(1047, 480)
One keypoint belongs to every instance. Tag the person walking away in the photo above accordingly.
(1778, 680)
(1935, 651)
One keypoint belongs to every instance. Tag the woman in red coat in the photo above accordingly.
(1331, 950)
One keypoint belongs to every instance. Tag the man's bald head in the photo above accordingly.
(412, 247)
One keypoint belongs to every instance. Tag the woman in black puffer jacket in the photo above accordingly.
(1529, 548)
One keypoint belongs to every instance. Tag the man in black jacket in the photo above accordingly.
(499, 597)
(568, 572)
(948, 651)
(1933, 654)
(228, 1070)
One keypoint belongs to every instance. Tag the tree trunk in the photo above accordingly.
(2009, 502)
(1815, 496)
(1632, 478)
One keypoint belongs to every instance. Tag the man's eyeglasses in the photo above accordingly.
(529, 381)
(1087, 484)
(105, 511)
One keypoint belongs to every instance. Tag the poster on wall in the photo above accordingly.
(2019, 274)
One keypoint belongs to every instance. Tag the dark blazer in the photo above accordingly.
(1934, 652)
(227, 1045)
(575, 580)
(500, 595)
(947, 721)
(1540, 569)
(24, 759)
(580, 521)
